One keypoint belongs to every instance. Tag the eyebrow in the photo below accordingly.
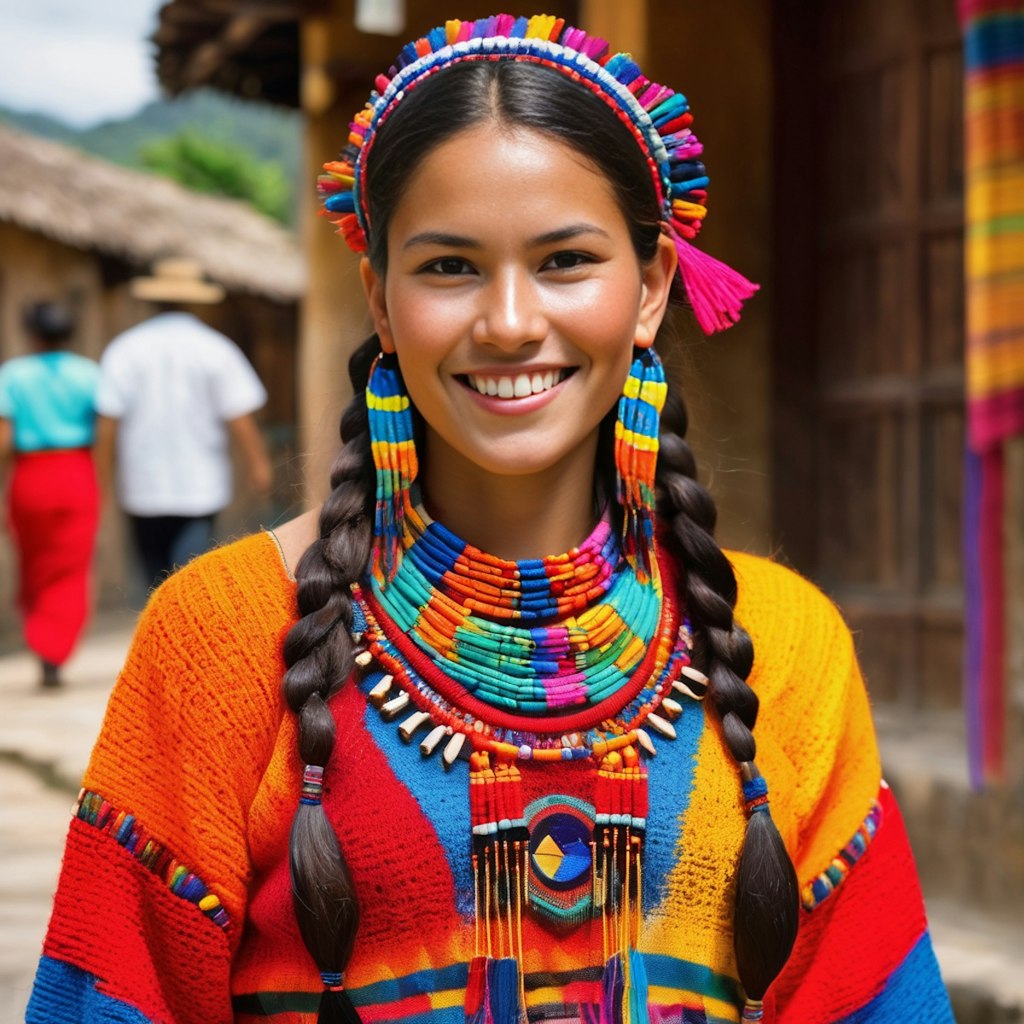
(442, 239)
(446, 240)
(569, 232)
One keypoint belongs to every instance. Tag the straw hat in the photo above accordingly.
(176, 279)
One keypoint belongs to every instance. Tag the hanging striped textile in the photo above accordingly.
(994, 112)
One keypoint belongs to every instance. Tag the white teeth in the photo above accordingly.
(516, 387)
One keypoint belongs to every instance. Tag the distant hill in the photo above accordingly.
(269, 133)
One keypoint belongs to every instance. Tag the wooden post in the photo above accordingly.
(333, 320)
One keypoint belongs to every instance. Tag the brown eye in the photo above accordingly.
(567, 260)
(449, 266)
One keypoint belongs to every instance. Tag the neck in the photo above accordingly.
(511, 517)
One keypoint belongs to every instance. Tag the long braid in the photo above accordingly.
(319, 656)
(767, 909)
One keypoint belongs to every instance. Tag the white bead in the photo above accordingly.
(393, 708)
(453, 748)
(661, 725)
(674, 708)
(429, 745)
(411, 724)
(695, 674)
(380, 691)
(364, 658)
(680, 687)
(645, 742)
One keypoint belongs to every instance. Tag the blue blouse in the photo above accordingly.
(50, 398)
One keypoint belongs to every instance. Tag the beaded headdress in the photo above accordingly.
(657, 117)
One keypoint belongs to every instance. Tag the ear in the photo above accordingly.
(373, 289)
(656, 284)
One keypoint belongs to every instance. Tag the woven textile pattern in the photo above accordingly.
(214, 780)
(994, 129)
(994, 99)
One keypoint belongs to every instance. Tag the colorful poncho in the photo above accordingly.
(174, 902)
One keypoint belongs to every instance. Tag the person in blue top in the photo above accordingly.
(47, 429)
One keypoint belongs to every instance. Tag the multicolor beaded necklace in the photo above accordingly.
(576, 657)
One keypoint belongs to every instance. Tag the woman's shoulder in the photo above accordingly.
(801, 642)
(197, 711)
(237, 597)
(815, 719)
(774, 598)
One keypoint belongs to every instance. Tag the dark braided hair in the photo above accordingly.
(319, 650)
(766, 915)
(318, 653)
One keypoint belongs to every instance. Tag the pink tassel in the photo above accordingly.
(716, 291)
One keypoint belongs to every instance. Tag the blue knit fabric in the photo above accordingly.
(915, 983)
(64, 993)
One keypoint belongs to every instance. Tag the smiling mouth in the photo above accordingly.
(520, 385)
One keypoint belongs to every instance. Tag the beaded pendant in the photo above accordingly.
(560, 859)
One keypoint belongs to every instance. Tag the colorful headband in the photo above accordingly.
(657, 117)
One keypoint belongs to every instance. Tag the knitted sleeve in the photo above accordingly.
(152, 893)
(863, 952)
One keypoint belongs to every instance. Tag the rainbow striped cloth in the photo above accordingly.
(994, 112)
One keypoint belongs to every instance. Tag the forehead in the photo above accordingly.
(495, 179)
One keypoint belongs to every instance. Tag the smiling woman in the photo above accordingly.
(478, 312)
(514, 578)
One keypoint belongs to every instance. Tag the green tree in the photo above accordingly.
(208, 165)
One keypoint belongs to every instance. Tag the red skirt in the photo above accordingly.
(54, 513)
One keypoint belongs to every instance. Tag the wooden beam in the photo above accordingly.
(624, 25)
(235, 36)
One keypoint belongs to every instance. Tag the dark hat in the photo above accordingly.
(50, 321)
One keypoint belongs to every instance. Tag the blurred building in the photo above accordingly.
(77, 229)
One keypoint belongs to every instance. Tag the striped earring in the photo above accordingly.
(394, 457)
(636, 455)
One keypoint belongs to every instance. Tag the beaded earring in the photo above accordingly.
(394, 456)
(636, 455)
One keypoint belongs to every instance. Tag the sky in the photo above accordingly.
(82, 61)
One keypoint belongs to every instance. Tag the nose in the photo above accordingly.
(511, 313)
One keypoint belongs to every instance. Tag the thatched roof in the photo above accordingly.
(90, 204)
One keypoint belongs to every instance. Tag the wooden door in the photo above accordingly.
(869, 343)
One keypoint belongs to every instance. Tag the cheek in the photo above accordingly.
(426, 326)
(610, 311)
(611, 336)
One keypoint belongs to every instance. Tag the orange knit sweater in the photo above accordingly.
(174, 902)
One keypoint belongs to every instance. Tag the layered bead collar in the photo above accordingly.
(562, 654)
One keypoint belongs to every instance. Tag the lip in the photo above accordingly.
(515, 406)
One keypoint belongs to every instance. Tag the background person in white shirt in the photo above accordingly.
(173, 394)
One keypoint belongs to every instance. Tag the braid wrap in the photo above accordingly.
(767, 895)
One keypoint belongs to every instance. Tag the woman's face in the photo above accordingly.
(513, 299)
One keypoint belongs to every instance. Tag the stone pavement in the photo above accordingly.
(45, 739)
